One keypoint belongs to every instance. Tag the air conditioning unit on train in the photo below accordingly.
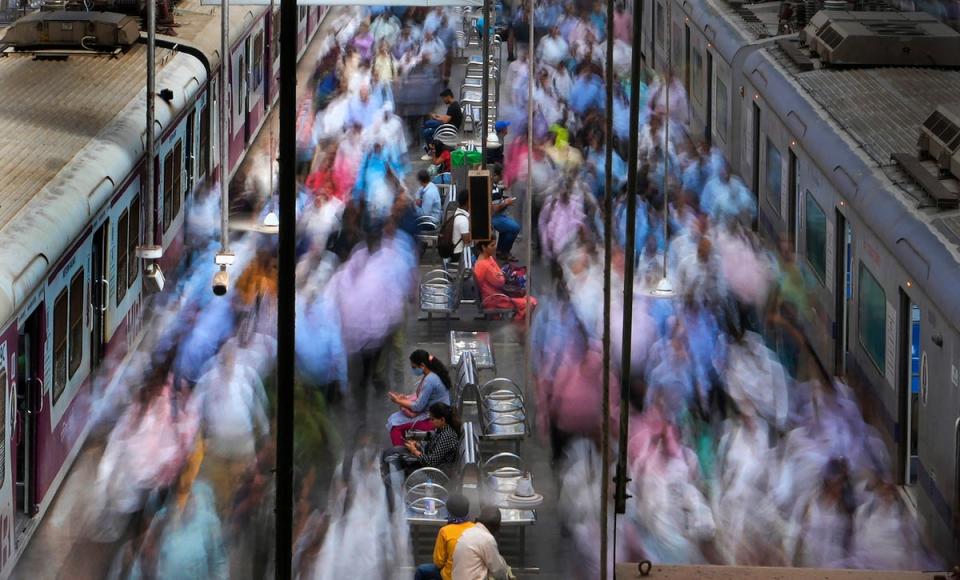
(881, 39)
(73, 30)
(940, 139)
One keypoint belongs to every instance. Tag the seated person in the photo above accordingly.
(440, 156)
(461, 226)
(453, 116)
(433, 387)
(477, 554)
(507, 228)
(458, 507)
(491, 281)
(428, 198)
(440, 449)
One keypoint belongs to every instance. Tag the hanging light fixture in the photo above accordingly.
(270, 224)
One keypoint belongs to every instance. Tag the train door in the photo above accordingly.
(99, 295)
(244, 95)
(756, 163)
(909, 389)
(793, 202)
(28, 406)
(843, 291)
(708, 130)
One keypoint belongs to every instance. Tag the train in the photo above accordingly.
(812, 117)
(72, 159)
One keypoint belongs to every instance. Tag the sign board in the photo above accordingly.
(479, 185)
(349, 3)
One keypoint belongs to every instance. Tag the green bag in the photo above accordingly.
(457, 157)
(474, 157)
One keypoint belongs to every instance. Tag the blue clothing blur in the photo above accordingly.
(587, 93)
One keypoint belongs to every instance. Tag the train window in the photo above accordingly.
(167, 190)
(721, 114)
(76, 322)
(872, 318)
(204, 141)
(816, 241)
(773, 177)
(123, 246)
(303, 13)
(658, 10)
(133, 269)
(257, 61)
(696, 74)
(60, 344)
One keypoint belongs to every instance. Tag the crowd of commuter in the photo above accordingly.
(741, 450)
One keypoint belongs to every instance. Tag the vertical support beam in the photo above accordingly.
(223, 94)
(286, 310)
(149, 169)
(607, 249)
(485, 40)
(633, 154)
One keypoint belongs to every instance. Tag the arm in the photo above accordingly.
(437, 450)
(493, 275)
(419, 405)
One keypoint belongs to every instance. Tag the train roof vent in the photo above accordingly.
(843, 38)
(940, 139)
(94, 32)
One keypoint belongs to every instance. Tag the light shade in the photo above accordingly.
(270, 225)
(664, 289)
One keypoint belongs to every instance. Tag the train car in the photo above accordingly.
(71, 215)
(880, 254)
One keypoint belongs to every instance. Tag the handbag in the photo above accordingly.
(515, 280)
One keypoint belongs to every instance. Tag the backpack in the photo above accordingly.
(445, 245)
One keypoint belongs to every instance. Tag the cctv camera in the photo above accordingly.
(220, 281)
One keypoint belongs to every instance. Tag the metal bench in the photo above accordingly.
(503, 412)
(439, 293)
(477, 344)
(466, 388)
(428, 229)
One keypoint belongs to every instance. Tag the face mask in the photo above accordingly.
(417, 371)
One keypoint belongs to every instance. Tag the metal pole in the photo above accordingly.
(224, 108)
(621, 492)
(286, 310)
(666, 136)
(607, 249)
(485, 107)
(528, 204)
(149, 177)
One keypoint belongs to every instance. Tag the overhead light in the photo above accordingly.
(221, 281)
(153, 278)
(270, 224)
(664, 289)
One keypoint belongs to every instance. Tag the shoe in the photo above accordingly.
(426, 158)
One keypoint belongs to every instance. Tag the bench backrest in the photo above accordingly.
(469, 464)
(466, 387)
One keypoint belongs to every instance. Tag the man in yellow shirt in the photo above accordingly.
(458, 507)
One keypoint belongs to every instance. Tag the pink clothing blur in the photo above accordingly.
(622, 26)
(399, 433)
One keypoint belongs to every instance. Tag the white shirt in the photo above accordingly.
(461, 226)
(476, 556)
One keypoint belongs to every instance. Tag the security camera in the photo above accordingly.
(220, 281)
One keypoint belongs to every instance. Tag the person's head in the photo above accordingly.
(443, 415)
(489, 516)
(501, 128)
(423, 176)
(458, 506)
(447, 96)
(364, 93)
(497, 170)
(463, 198)
(424, 363)
(488, 248)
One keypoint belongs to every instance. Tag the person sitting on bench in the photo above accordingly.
(433, 387)
(458, 506)
(440, 449)
(453, 116)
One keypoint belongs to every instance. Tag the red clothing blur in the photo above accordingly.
(444, 161)
(490, 281)
(321, 184)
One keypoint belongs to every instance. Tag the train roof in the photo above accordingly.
(72, 130)
(851, 138)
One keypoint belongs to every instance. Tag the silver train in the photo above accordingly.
(815, 140)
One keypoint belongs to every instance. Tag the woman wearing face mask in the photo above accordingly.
(433, 386)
